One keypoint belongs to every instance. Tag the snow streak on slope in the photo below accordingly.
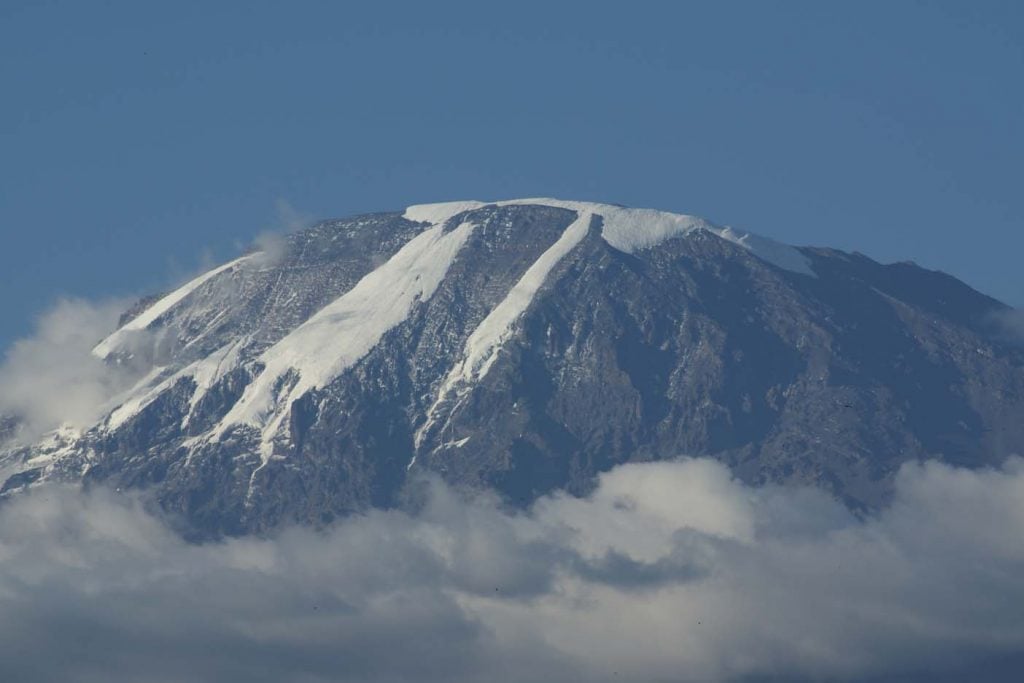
(776, 253)
(485, 342)
(204, 372)
(145, 391)
(153, 313)
(347, 329)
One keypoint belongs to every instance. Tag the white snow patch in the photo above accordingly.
(346, 329)
(151, 314)
(141, 395)
(440, 213)
(208, 371)
(138, 397)
(778, 254)
(63, 441)
(205, 372)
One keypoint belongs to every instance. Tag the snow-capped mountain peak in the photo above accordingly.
(530, 344)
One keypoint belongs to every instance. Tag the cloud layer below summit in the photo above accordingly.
(668, 571)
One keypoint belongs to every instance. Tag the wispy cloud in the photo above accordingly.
(51, 377)
(272, 243)
(669, 571)
(1010, 323)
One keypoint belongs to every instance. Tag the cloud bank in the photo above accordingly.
(671, 571)
(51, 378)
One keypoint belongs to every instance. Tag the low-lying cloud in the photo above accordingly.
(670, 571)
(51, 378)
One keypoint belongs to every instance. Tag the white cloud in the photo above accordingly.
(272, 244)
(51, 378)
(669, 571)
(1010, 323)
(289, 218)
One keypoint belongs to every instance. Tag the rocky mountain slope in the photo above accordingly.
(529, 345)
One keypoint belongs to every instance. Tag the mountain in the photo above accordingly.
(529, 345)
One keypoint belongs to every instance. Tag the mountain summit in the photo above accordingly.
(529, 345)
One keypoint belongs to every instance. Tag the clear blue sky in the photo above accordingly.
(136, 137)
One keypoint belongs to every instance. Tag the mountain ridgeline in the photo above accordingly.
(529, 346)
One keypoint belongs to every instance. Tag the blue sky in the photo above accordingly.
(141, 140)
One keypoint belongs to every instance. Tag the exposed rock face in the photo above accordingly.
(529, 346)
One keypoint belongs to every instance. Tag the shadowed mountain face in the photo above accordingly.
(528, 346)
